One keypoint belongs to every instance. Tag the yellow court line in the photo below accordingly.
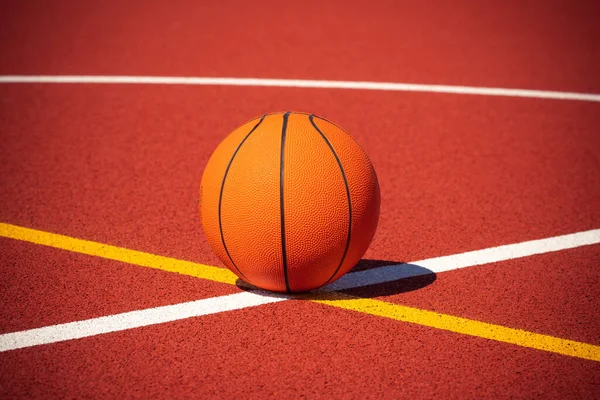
(118, 253)
(367, 306)
(464, 326)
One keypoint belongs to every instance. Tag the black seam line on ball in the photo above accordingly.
(331, 122)
(310, 117)
(281, 176)
(221, 193)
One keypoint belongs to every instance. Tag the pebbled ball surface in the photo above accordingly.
(289, 202)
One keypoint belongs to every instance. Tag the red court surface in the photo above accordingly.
(121, 164)
(298, 350)
(44, 286)
(530, 44)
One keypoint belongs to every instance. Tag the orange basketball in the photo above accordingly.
(289, 202)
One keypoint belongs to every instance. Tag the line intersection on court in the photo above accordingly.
(327, 295)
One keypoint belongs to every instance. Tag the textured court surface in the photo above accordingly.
(120, 165)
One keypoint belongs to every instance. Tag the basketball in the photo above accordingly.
(289, 202)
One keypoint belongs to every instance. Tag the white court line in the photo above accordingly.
(301, 83)
(391, 273)
(157, 315)
(133, 319)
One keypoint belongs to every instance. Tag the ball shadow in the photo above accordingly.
(368, 279)
(379, 278)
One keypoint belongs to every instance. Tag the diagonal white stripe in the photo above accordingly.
(479, 257)
(158, 315)
(133, 319)
(301, 83)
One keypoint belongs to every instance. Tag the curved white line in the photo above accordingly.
(301, 83)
